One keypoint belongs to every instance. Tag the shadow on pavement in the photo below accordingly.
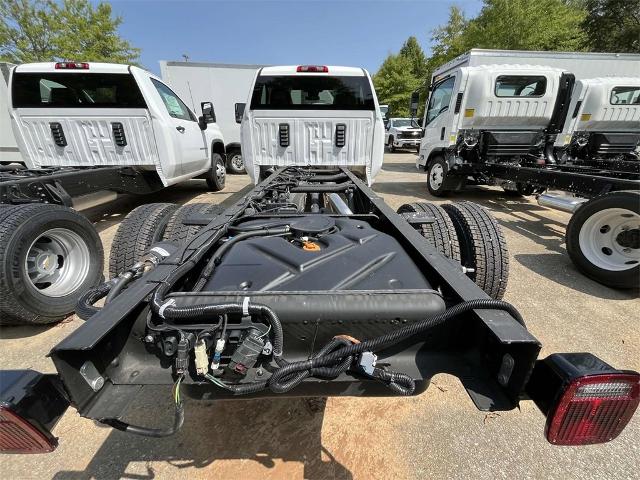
(271, 432)
(409, 167)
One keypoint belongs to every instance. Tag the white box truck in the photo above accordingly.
(531, 121)
(225, 85)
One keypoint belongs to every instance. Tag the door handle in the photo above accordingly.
(442, 133)
(180, 129)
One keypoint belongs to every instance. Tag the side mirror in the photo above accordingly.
(208, 113)
(202, 123)
(240, 112)
(414, 103)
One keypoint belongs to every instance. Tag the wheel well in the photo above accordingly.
(434, 153)
(218, 147)
(233, 146)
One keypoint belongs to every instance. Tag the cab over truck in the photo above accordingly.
(492, 119)
(86, 132)
(311, 286)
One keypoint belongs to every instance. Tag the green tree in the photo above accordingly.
(527, 25)
(45, 30)
(613, 25)
(449, 40)
(412, 51)
(394, 83)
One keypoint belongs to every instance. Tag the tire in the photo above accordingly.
(216, 177)
(140, 229)
(392, 148)
(436, 175)
(483, 247)
(178, 232)
(603, 239)
(235, 163)
(440, 234)
(49, 256)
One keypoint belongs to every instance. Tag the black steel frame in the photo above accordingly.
(491, 353)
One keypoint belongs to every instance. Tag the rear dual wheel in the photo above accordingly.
(49, 256)
(470, 235)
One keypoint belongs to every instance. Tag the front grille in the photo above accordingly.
(415, 134)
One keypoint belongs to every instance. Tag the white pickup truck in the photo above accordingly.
(312, 115)
(87, 131)
(402, 133)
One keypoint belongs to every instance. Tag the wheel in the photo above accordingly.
(177, 231)
(392, 148)
(140, 229)
(436, 174)
(49, 256)
(235, 164)
(440, 234)
(483, 248)
(216, 177)
(603, 239)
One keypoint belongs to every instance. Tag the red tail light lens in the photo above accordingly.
(72, 66)
(594, 409)
(312, 69)
(19, 436)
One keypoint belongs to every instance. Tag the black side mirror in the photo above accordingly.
(240, 112)
(415, 102)
(208, 113)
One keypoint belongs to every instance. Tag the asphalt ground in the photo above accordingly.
(438, 434)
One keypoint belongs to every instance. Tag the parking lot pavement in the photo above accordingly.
(439, 434)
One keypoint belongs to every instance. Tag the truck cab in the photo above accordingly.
(499, 113)
(603, 122)
(78, 114)
(309, 115)
(402, 133)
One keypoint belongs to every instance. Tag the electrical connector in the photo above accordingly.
(201, 358)
(368, 362)
(217, 353)
(182, 354)
(246, 355)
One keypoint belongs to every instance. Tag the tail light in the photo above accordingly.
(30, 406)
(72, 66)
(19, 436)
(312, 69)
(586, 401)
(594, 409)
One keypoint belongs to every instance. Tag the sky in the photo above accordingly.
(348, 32)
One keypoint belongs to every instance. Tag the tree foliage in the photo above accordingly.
(394, 83)
(613, 25)
(46, 30)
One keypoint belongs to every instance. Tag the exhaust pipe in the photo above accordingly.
(90, 200)
(566, 204)
(339, 205)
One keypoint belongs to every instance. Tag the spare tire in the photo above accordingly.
(441, 233)
(140, 229)
(49, 256)
(178, 232)
(483, 248)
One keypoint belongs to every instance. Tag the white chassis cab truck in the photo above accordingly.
(312, 115)
(86, 132)
(223, 84)
(532, 127)
(402, 133)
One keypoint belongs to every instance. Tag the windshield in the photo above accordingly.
(76, 90)
(299, 92)
(405, 122)
(625, 96)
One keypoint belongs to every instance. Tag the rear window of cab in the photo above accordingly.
(625, 96)
(520, 86)
(75, 90)
(313, 92)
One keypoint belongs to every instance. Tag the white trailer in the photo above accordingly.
(225, 85)
(9, 151)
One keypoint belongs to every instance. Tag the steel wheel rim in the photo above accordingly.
(57, 262)
(436, 176)
(609, 239)
(220, 172)
(237, 161)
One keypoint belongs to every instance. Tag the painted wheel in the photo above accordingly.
(436, 175)
(603, 239)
